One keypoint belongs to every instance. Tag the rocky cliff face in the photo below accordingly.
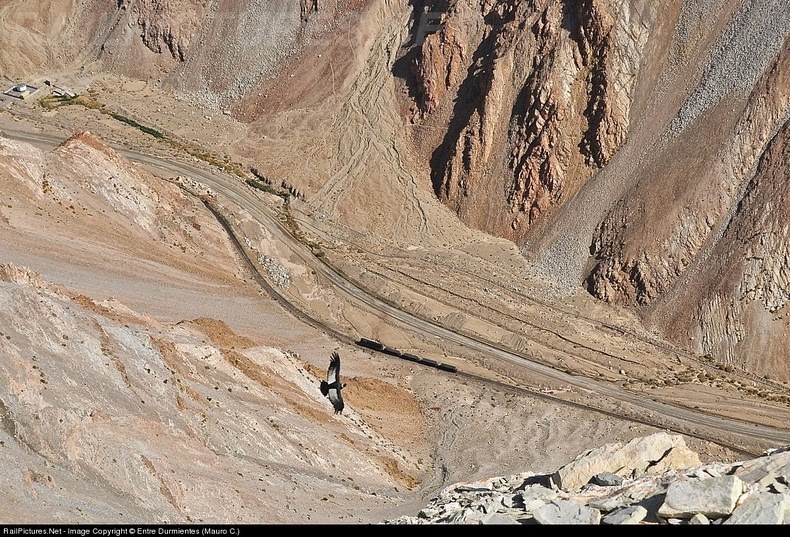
(677, 246)
(536, 95)
(738, 301)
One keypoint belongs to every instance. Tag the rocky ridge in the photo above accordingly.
(653, 480)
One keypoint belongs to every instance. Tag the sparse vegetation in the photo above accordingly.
(254, 183)
(51, 102)
(148, 130)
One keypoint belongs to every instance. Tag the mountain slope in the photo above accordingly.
(148, 378)
(602, 185)
(96, 394)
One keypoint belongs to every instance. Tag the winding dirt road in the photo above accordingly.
(587, 392)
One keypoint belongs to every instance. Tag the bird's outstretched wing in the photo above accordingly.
(333, 373)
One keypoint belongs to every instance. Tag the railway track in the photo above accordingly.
(673, 418)
(379, 347)
(390, 351)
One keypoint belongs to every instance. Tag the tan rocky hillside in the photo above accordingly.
(147, 378)
(126, 399)
(614, 142)
(618, 144)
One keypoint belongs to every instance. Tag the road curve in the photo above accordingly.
(237, 191)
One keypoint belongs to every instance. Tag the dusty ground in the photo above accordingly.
(452, 429)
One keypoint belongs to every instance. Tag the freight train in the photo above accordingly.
(392, 351)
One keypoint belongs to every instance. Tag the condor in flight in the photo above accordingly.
(331, 386)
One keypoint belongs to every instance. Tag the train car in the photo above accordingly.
(370, 344)
(428, 361)
(391, 351)
(447, 367)
(410, 357)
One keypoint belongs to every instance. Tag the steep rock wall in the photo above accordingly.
(541, 93)
(737, 307)
(700, 243)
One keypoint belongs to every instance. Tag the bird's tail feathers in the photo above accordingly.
(324, 387)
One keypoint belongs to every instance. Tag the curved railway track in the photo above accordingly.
(377, 346)
(672, 417)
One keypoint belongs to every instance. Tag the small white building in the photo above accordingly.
(21, 91)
